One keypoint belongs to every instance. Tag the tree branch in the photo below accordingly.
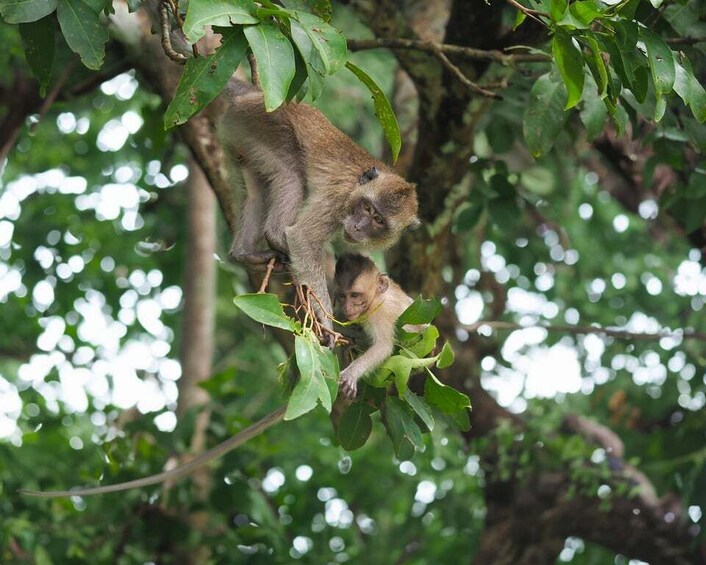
(431, 47)
(179, 472)
(581, 330)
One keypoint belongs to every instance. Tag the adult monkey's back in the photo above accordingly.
(306, 183)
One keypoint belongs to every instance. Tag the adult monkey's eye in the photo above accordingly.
(367, 207)
(378, 220)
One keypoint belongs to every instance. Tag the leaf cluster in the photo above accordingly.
(405, 416)
(607, 57)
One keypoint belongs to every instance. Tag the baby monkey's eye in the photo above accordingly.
(367, 207)
(378, 220)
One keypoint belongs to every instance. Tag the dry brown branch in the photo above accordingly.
(254, 75)
(166, 32)
(580, 330)
(305, 311)
(180, 472)
(529, 12)
(431, 47)
(268, 273)
(463, 79)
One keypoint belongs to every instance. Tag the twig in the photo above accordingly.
(431, 47)
(684, 40)
(166, 31)
(174, 5)
(472, 86)
(179, 472)
(529, 11)
(266, 280)
(337, 337)
(254, 74)
(578, 330)
(303, 301)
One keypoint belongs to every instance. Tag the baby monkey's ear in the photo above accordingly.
(414, 225)
(383, 283)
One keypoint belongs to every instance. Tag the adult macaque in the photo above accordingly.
(364, 293)
(306, 184)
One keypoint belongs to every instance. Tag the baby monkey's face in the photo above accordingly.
(355, 301)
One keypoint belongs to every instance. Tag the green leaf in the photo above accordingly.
(327, 48)
(400, 367)
(424, 343)
(304, 397)
(446, 357)
(687, 86)
(570, 63)
(661, 61)
(660, 108)
(311, 387)
(299, 87)
(311, 58)
(98, 6)
(626, 34)
(557, 9)
(460, 419)
(520, 17)
(203, 78)
(355, 426)
(275, 61)
(539, 180)
(593, 113)
(383, 110)
(38, 41)
(469, 216)
(318, 370)
(421, 311)
(630, 68)
(691, 214)
(686, 19)
(25, 11)
(403, 431)
(266, 309)
(502, 211)
(420, 407)
(83, 31)
(544, 114)
(584, 12)
(444, 398)
(321, 8)
(619, 117)
(329, 371)
(222, 13)
(596, 65)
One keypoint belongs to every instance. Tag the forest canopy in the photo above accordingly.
(551, 411)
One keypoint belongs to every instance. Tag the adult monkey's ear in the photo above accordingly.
(367, 176)
(383, 283)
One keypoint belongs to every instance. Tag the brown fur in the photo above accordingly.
(303, 181)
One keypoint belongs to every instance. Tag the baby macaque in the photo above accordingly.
(365, 294)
